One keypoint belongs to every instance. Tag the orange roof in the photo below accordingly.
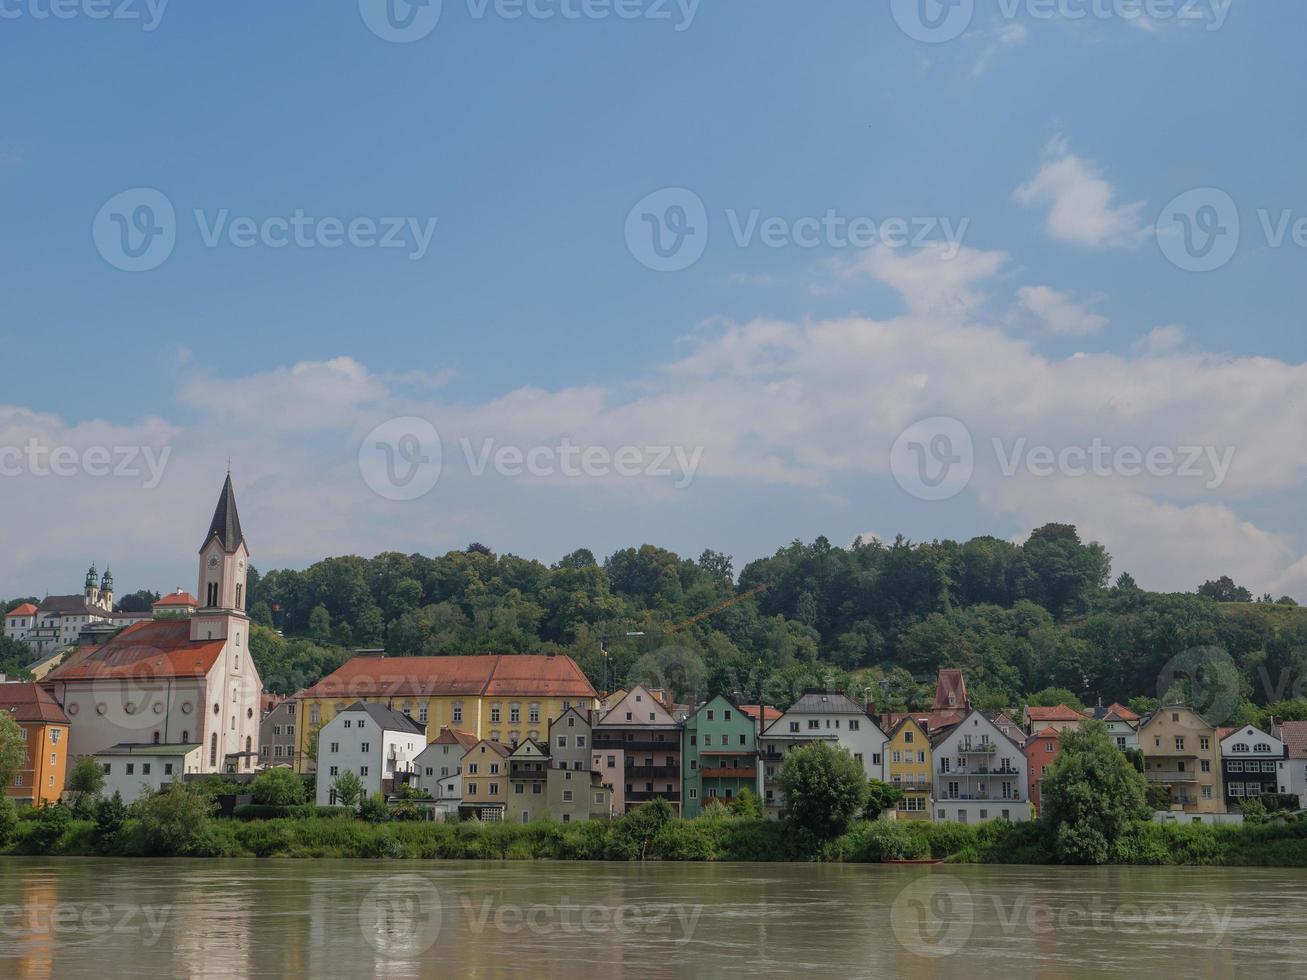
(1294, 734)
(503, 675)
(1059, 712)
(930, 721)
(768, 712)
(1121, 711)
(452, 736)
(178, 599)
(26, 609)
(30, 703)
(143, 651)
(1049, 732)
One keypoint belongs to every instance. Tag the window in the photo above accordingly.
(55, 734)
(794, 727)
(494, 714)
(471, 789)
(710, 714)
(1207, 792)
(145, 768)
(813, 724)
(422, 714)
(363, 770)
(131, 768)
(1235, 766)
(533, 714)
(458, 711)
(567, 796)
(694, 793)
(108, 769)
(365, 747)
(494, 789)
(562, 741)
(334, 747)
(907, 737)
(853, 724)
(1204, 764)
(515, 714)
(1204, 743)
(494, 768)
(580, 741)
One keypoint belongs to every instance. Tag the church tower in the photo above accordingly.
(93, 586)
(106, 591)
(224, 563)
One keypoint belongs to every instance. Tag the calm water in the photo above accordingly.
(105, 919)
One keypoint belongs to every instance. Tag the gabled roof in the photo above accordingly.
(907, 718)
(499, 748)
(976, 713)
(178, 598)
(1058, 712)
(1294, 734)
(452, 736)
(26, 609)
(951, 690)
(387, 719)
(932, 721)
(769, 714)
(148, 650)
(149, 748)
(515, 675)
(29, 702)
(1049, 732)
(1245, 731)
(70, 605)
(1114, 711)
(529, 748)
(226, 523)
(641, 703)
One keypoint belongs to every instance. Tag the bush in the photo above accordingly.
(50, 824)
(8, 820)
(374, 809)
(278, 787)
(171, 822)
(110, 815)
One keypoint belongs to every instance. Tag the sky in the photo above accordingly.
(568, 274)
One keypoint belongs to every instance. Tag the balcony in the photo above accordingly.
(609, 743)
(653, 772)
(728, 773)
(984, 772)
(912, 786)
(984, 748)
(644, 796)
(1169, 776)
(978, 797)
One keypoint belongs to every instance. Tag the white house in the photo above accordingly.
(175, 681)
(137, 769)
(1122, 724)
(1294, 735)
(980, 773)
(438, 774)
(821, 716)
(1252, 763)
(376, 742)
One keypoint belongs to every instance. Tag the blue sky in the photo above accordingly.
(1056, 143)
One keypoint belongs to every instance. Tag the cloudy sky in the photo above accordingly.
(713, 276)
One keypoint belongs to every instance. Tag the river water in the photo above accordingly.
(69, 918)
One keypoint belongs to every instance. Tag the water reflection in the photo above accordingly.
(107, 919)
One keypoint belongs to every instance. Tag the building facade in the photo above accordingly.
(377, 743)
(41, 778)
(637, 750)
(820, 716)
(278, 740)
(485, 781)
(1294, 736)
(1122, 724)
(1042, 750)
(1058, 717)
(720, 750)
(528, 780)
(1253, 763)
(980, 773)
(439, 768)
(908, 760)
(501, 698)
(175, 682)
(136, 770)
(1181, 752)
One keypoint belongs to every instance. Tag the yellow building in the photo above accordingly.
(907, 767)
(1182, 752)
(501, 698)
(485, 772)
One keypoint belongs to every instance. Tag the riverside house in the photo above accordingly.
(1252, 763)
(1059, 718)
(820, 716)
(485, 781)
(1122, 724)
(1294, 735)
(378, 743)
(908, 765)
(528, 779)
(1042, 750)
(1181, 752)
(40, 779)
(500, 698)
(438, 773)
(720, 749)
(980, 773)
(637, 747)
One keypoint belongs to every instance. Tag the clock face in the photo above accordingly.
(213, 562)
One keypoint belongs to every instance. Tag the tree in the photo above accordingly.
(8, 819)
(824, 787)
(348, 787)
(374, 809)
(13, 749)
(86, 780)
(881, 796)
(278, 787)
(320, 624)
(1091, 796)
(14, 658)
(1051, 697)
(110, 815)
(172, 821)
(1223, 589)
(747, 804)
(139, 601)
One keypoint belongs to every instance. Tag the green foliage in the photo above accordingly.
(49, 826)
(747, 804)
(348, 788)
(172, 822)
(1253, 809)
(1091, 796)
(1223, 589)
(633, 833)
(8, 820)
(374, 809)
(1051, 697)
(881, 796)
(110, 816)
(13, 749)
(14, 658)
(87, 778)
(824, 787)
(278, 787)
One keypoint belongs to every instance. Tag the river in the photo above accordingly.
(69, 918)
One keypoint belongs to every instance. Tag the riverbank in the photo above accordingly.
(711, 838)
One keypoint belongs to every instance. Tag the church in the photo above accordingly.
(182, 688)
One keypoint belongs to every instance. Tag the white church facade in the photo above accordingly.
(175, 682)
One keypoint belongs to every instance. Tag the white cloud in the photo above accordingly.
(1082, 206)
(1161, 339)
(936, 280)
(992, 43)
(1058, 312)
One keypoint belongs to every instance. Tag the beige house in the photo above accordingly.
(1181, 751)
(485, 781)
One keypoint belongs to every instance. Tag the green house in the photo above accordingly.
(720, 755)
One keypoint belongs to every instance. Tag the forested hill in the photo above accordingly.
(877, 618)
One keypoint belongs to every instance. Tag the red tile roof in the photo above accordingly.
(26, 609)
(951, 690)
(768, 712)
(178, 599)
(30, 703)
(1049, 732)
(452, 736)
(1059, 712)
(1120, 711)
(143, 651)
(1294, 734)
(931, 721)
(500, 675)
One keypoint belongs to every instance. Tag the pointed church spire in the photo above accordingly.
(226, 524)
